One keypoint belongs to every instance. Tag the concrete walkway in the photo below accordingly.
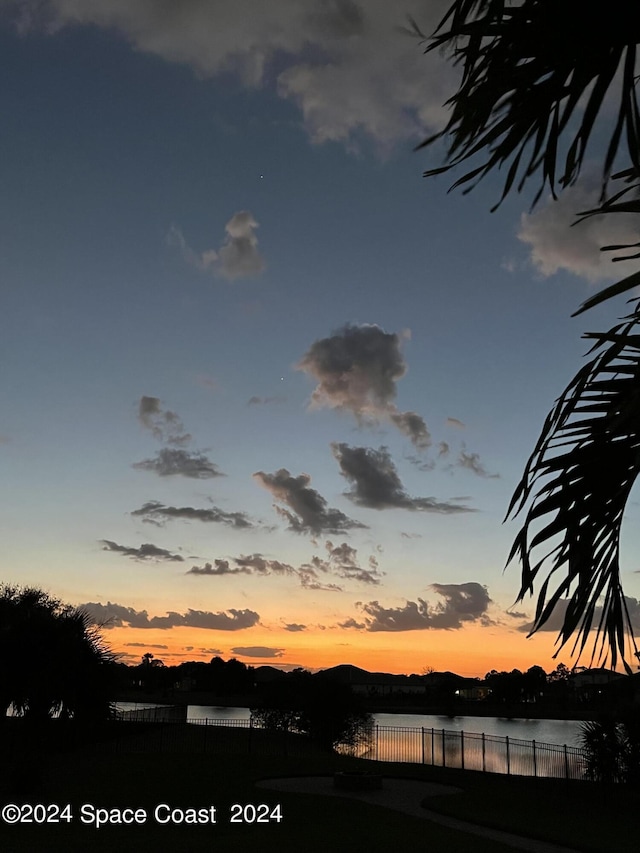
(406, 795)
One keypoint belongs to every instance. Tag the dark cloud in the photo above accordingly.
(154, 511)
(352, 623)
(414, 427)
(309, 579)
(220, 567)
(462, 603)
(258, 652)
(454, 422)
(238, 257)
(111, 615)
(166, 426)
(147, 645)
(556, 620)
(261, 566)
(357, 369)
(170, 462)
(376, 483)
(341, 561)
(294, 627)
(308, 511)
(144, 552)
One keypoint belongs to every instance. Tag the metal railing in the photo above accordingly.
(475, 751)
(437, 747)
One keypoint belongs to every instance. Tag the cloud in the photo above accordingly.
(471, 461)
(147, 645)
(154, 510)
(346, 65)
(118, 616)
(238, 257)
(462, 603)
(294, 627)
(220, 567)
(556, 620)
(258, 652)
(308, 511)
(357, 369)
(169, 462)
(454, 422)
(376, 483)
(341, 561)
(264, 401)
(352, 623)
(144, 552)
(166, 426)
(557, 244)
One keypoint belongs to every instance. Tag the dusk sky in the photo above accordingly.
(266, 391)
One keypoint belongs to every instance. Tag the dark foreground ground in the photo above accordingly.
(139, 774)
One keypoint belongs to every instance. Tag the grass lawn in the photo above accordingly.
(578, 815)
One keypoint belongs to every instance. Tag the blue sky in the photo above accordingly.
(201, 215)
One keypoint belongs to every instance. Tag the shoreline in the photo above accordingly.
(527, 711)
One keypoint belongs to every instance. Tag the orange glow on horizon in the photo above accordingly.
(471, 651)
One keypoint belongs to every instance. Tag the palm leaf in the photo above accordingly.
(523, 74)
(582, 471)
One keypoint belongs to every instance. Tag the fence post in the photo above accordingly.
(250, 733)
(462, 750)
(444, 756)
(566, 763)
(535, 764)
(377, 742)
(484, 763)
(433, 744)
(422, 741)
(508, 759)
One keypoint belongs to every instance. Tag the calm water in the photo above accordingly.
(542, 731)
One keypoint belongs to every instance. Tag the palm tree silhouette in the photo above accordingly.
(534, 79)
(52, 658)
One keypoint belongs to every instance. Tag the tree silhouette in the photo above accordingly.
(534, 80)
(52, 658)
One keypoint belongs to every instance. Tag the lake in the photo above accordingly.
(542, 731)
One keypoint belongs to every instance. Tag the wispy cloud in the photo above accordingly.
(170, 462)
(339, 562)
(471, 462)
(157, 512)
(144, 552)
(165, 425)
(265, 401)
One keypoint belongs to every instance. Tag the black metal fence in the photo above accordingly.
(437, 747)
(475, 751)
